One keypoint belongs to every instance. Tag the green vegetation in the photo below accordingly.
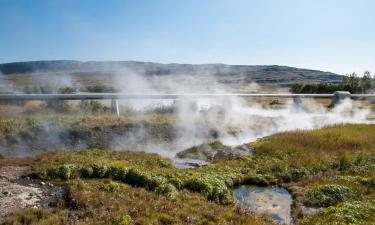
(333, 167)
(351, 83)
(327, 195)
(356, 212)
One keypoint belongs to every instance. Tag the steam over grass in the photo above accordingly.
(333, 166)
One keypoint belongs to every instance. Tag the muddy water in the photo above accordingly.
(273, 201)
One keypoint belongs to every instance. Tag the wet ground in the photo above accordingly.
(273, 201)
(18, 191)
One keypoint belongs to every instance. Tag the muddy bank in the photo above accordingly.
(19, 191)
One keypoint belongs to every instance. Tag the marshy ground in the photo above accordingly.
(330, 173)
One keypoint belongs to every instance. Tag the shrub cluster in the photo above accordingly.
(351, 83)
(327, 195)
(355, 213)
(213, 188)
(133, 177)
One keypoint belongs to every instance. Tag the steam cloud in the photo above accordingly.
(232, 120)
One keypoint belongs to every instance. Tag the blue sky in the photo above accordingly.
(330, 35)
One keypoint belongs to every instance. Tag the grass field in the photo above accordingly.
(332, 168)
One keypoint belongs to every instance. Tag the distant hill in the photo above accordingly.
(267, 74)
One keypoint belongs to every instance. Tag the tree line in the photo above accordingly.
(353, 83)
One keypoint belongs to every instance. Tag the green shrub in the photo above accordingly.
(122, 174)
(87, 172)
(121, 220)
(167, 190)
(141, 179)
(354, 213)
(213, 188)
(292, 173)
(8, 126)
(327, 195)
(112, 172)
(259, 179)
(100, 171)
(177, 182)
(63, 172)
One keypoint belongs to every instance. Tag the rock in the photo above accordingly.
(204, 152)
(220, 154)
(42, 183)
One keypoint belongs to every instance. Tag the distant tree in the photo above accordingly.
(366, 82)
(351, 83)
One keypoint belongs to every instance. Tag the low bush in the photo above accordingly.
(167, 190)
(253, 178)
(121, 220)
(141, 179)
(354, 213)
(64, 172)
(327, 195)
(214, 189)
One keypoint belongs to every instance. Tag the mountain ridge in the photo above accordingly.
(258, 73)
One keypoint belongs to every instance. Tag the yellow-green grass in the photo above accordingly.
(332, 166)
(108, 202)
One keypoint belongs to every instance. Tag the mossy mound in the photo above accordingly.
(349, 212)
(327, 195)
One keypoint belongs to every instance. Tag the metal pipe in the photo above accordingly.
(160, 96)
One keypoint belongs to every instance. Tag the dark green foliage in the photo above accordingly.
(259, 179)
(141, 179)
(349, 212)
(327, 195)
(351, 83)
(167, 190)
(214, 189)
(64, 172)
(100, 171)
(87, 172)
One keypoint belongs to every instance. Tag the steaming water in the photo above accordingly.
(273, 201)
(236, 122)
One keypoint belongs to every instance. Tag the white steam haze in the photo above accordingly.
(5, 86)
(232, 120)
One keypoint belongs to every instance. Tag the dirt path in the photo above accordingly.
(18, 191)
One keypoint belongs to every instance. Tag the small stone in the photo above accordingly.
(42, 183)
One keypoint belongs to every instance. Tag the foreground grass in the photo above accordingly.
(108, 202)
(331, 168)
